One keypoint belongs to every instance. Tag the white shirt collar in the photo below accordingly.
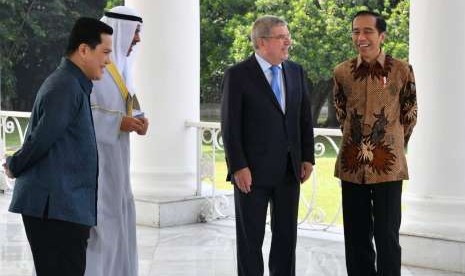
(265, 65)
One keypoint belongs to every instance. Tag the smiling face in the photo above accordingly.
(366, 38)
(275, 47)
(95, 60)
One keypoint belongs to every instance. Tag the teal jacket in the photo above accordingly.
(57, 164)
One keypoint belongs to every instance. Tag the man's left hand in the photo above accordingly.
(145, 126)
(305, 171)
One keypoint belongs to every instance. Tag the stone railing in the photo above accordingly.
(210, 144)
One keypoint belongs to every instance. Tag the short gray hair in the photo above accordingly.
(262, 27)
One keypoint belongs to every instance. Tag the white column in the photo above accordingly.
(167, 82)
(435, 196)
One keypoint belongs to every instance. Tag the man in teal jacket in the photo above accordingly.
(56, 168)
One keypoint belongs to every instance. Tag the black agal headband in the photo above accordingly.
(123, 16)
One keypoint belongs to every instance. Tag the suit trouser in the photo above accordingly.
(251, 210)
(58, 247)
(372, 210)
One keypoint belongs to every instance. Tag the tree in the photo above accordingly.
(113, 3)
(11, 40)
(33, 37)
(397, 33)
(321, 38)
(215, 43)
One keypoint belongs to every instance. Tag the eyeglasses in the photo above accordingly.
(280, 37)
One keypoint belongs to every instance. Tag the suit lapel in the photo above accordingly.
(259, 78)
(288, 83)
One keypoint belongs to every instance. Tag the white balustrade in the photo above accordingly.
(210, 143)
(11, 124)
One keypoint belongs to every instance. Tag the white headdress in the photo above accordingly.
(124, 21)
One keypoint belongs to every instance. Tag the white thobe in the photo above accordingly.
(112, 246)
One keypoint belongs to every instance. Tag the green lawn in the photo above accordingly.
(12, 139)
(327, 197)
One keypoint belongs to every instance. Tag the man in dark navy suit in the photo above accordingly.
(268, 138)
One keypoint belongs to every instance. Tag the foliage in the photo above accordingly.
(321, 38)
(113, 3)
(10, 41)
(33, 36)
(321, 33)
(397, 33)
(216, 42)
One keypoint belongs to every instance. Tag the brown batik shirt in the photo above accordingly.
(376, 106)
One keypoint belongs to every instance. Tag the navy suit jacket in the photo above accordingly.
(57, 163)
(256, 132)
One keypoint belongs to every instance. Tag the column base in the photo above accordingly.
(150, 183)
(165, 212)
(433, 253)
(433, 233)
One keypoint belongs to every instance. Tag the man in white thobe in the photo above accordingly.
(112, 246)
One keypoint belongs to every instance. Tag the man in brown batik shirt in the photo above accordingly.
(375, 100)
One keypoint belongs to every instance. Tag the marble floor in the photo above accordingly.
(200, 249)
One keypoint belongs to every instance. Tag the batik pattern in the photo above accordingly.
(376, 107)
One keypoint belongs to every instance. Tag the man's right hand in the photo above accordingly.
(243, 179)
(7, 171)
(130, 124)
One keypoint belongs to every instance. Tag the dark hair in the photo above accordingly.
(86, 30)
(380, 22)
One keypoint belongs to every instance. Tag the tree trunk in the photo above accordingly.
(331, 121)
(319, 94)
